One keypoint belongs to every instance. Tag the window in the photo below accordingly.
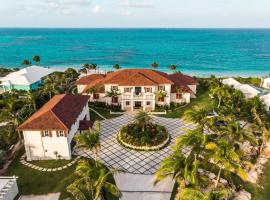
(148, 103)
(179, 96)
(46, 133)
(127, 103)
(95, 96)
(127, 90)
(148, 89)
(114, 88)
(61, 133)
(161, 99)
(114, 99)
(161, 88)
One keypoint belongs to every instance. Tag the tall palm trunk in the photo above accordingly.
(218, 178)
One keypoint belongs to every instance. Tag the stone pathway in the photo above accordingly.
(43, 169)
(113, 155)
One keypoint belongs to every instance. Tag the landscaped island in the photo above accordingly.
(143, 134)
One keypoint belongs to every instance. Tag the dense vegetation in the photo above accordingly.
(16, 106)
(214, 160)
(142, 132)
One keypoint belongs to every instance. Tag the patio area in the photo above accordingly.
(116, 156)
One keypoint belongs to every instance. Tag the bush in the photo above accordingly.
(153, 135)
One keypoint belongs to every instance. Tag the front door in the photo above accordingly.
(138, 104)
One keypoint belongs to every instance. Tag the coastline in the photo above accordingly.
(192, 72)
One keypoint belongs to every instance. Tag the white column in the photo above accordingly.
(131, 104)
(122, 104)
(154, 104)
(143, 104)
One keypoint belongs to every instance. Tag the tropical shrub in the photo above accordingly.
(143, 133)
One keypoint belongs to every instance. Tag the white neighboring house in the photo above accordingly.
(8, 188)
(48, 133)
(248, 91)
(28, 78)
(266, 83)
(266, 100)
(139, 88)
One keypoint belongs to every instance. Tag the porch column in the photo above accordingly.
(132, 105)
(143, 104)
(153, 104)
(122, 105)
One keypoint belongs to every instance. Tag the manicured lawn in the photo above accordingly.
(51, 163)
(31, 181)
(203, 100)
(103, 111)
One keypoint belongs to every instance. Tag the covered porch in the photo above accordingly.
(133, 105)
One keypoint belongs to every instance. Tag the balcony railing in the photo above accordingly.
(139, 96)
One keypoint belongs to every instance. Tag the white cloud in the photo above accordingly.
(137, 4)
(64, 6)
(98, 9)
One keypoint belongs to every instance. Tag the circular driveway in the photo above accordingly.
(113, 155)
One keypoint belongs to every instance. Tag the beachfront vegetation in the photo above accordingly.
(216, 158)
(116, 66)
(154, 65)
(93, 181)
(143, 134)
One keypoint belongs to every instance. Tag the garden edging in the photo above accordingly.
(27, 164)
(143, 148)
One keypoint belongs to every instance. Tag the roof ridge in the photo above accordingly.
(58, 118)
(146, 77)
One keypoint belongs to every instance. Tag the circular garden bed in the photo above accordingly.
(149, 137)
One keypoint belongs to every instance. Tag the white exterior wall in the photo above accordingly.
(185, 98)
(44, 148)
(266, 83)
(193, 89)
(74, 128)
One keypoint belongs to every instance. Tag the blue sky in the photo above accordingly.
(135, 13)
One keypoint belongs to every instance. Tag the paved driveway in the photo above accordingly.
(137, 162)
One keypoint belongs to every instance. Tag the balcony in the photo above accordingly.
(138, 96)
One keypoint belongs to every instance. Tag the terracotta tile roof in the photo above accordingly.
(60, 112)
(85, 125)
(118, 76)
(139, 77)
(90, 79)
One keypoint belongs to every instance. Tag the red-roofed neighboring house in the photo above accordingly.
(139, 88)
(48, 133)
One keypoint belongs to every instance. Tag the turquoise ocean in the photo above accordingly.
(202, 52)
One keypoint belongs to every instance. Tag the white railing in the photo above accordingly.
(140, 96)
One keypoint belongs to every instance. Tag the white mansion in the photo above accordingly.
(138, 88)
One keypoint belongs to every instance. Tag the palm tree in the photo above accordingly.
(26, 62)
(143, 118)
(261, 126)
(161, 94)
(37, 59)
(93, 66)
(83, 70)
(31, 96)
(173, 67)
(234, 132)
(90, 140)
(198, 116)
(218, 92)
(224, 156)
(116, 66)
(154, 65)
(92, 182)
